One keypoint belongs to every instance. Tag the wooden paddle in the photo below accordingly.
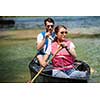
(44, 67)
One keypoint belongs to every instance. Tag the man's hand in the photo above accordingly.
(48, 34)
(44, 64)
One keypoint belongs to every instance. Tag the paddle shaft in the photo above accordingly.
(57, 52)
(37, 75)
(44, 67)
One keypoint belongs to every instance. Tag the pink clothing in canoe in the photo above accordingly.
(63, 60)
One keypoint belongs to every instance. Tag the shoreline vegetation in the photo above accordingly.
(18, 47)
(32, 34)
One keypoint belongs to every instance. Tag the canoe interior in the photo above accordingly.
(45, 77)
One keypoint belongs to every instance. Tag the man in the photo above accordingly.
(44, 39)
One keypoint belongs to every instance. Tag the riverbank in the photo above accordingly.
(19, 34)
(32, 34)
(86, 30)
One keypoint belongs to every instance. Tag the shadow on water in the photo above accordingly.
(4, 36)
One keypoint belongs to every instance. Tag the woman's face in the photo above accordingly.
(62, 34)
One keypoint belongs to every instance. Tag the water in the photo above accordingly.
(71, 22)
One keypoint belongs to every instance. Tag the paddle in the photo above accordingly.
(44, 67)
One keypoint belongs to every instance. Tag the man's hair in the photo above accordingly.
(49, 20)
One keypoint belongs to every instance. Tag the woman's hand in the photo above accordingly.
(70, 51)
(63, 45)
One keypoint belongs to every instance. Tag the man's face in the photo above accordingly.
(49, 26)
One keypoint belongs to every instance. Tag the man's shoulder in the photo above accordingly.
(41, 34)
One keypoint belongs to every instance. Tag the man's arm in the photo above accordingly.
(41, 44)
(43, 61)
(41, 40)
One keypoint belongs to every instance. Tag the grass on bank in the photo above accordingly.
(17, 48)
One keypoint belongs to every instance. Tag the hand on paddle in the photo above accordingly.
(47, 34)
(44, 64)
(71, 51)
(63, 45)
(43, 61)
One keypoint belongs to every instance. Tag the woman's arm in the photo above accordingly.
(72, 52)
(70, 48)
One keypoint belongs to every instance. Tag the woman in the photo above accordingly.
(63, 61)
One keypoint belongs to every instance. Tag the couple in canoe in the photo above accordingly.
(48, 42)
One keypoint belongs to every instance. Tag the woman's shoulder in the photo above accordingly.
(67, 40)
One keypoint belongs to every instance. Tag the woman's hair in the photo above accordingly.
(57, 28)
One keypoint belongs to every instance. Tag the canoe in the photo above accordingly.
(46, 75)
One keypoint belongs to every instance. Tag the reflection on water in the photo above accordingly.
(69, 21)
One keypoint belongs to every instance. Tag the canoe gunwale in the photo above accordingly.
(32, 67)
